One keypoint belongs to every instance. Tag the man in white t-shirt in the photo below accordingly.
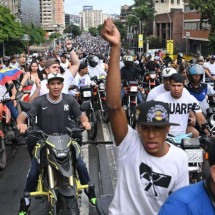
(149, 168)
(210, 68)
(81, 79)
(181, 105)
(52, 66)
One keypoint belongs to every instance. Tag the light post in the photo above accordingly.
(170, 29)
(139, 25)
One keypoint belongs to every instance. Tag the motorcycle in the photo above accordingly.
(58, 181)
(86, 96)
(130, 101)
(195, 150)
(7, 128)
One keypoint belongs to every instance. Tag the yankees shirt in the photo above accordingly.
(144, 182)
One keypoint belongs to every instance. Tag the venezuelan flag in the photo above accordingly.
(9, 75)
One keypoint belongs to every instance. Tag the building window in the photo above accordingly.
(191, 25)
(188, 9)
(178, 1)
(172, 1)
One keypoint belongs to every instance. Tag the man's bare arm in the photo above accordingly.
(113, 88)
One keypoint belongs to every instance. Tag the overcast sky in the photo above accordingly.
(107, 6)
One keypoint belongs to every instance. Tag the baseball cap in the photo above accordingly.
(153, 113)
(51, 61)
(53, 76)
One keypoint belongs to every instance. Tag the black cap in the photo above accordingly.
(154, 113)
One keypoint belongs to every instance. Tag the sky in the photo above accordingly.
(107, 6)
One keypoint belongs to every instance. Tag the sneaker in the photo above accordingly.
(23, 210)
(91, 195)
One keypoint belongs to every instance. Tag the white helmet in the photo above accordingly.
(167, 72)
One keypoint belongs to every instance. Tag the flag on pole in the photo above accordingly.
(9, 74)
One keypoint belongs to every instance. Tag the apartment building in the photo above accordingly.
(195, 33)
(165, 6)
(52, 15)
(91, 18)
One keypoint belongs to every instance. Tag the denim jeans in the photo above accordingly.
(13, 110)
(33, 174)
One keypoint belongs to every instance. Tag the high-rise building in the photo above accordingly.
(90, 18)
(52, 15)
(30, 12)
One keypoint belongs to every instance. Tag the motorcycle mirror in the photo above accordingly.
(85, 106)
(25, 106)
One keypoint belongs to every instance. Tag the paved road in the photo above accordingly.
(100, 160)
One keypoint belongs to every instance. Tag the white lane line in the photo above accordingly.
(108, 136)
(84, 202)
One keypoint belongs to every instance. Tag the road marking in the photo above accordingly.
(84, 202)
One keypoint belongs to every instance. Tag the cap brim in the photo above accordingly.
(163, 124)
(56, 78)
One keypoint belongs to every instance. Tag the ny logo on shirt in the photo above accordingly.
(152, 179)
(66, 107)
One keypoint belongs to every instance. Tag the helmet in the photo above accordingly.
(167, 72)
(195, 69)
(180, 54)
(128, 58)
(148, 56)
(93, 61)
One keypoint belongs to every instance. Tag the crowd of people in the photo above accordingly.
(152, 173)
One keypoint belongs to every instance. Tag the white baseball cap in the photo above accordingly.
(52, 76)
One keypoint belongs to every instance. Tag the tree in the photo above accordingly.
(207, 10)
(74, 29)
(93, 31)
(10, 29)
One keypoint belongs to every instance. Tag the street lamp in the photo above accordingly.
(139, 25)
(170, 29)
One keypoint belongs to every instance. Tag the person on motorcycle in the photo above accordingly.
(181, 104)
(180, 59)
(53, 111)
(52, 65)
(198, 89)
(210, 69)
(153, 65)
(94, 68)
(82, 78)
(196, 199)
(129, 73)
(167, 60)
(147, 165)
(165, 87)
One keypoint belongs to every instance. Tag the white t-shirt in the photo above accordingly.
(65, 65)
(155, 92)
(211, 68)
(96, 71)
(144, 182)
(68, 78)
(3, 90)
(179, 110)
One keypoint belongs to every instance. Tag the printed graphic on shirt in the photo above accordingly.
(66, 107)
(153, 180)
(183, 108)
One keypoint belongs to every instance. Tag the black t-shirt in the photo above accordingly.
(53, 117)
(130, 73)
(152, 66)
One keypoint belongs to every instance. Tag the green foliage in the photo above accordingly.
(74, 29)
(93, 31)
(37, 34)
(10, 30)
(54, 35)
(121, 28)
